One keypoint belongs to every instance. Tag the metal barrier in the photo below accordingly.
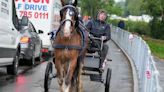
(140, 54)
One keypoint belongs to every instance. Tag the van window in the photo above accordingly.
(14, 16)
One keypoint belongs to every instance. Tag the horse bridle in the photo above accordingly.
(63, 21)
(66, 7)
(68, 47)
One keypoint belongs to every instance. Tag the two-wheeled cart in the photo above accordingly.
(92, 63)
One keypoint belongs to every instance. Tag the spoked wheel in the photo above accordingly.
(108, 77)
(48, 76)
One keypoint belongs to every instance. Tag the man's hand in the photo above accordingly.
(90, 35)
(103, 38)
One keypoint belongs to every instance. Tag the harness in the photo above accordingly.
(71, 47)
(79, 29)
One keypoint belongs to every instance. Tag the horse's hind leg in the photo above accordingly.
(80, 70)
(80, 85)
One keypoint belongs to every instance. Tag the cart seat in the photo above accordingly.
(93, 50)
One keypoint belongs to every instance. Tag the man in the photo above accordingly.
(99, 28)
(121, 24)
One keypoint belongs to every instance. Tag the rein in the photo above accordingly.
(63, 21)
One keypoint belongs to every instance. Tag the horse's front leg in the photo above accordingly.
(70, 72)
(58, 66)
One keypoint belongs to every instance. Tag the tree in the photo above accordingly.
(155, 8)
(111, 7)
(133, 7)
(90, 7)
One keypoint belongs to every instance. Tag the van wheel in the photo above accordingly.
(13, 69)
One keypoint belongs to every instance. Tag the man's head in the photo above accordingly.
(102, 15)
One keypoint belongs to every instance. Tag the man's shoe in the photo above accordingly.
(103, 66)
(101, 70)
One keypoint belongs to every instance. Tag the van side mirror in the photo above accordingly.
(24, 21)
(40, 31)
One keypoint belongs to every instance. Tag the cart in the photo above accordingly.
(91, 63)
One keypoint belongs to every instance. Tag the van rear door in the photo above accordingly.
(6, 33)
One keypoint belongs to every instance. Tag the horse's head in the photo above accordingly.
(69, 17)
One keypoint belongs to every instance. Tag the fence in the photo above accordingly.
(140, 54)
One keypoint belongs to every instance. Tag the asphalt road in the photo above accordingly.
(160, 67)
(31, 79)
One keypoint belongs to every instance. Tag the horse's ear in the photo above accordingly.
(74, 2)
(62, 2)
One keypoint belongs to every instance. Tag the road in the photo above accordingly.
(160, 67)
(30, 79)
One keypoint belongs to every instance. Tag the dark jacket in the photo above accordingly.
(121, 24)
(98, 29)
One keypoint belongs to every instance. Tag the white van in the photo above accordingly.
(9, 36)
(44, 14)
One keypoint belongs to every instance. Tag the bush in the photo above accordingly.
(157, 29)
(153, 29)
(113, 22)
(139, 27)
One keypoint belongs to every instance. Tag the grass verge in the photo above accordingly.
(156, 46)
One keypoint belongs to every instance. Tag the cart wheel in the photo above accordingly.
(108, 77)
(48, 76)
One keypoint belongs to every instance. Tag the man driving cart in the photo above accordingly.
(99, 28)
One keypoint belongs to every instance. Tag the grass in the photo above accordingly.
(156, 46)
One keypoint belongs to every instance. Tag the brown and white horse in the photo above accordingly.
(69, 49)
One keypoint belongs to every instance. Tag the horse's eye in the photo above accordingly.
(71, 13)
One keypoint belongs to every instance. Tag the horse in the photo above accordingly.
(69, 49)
